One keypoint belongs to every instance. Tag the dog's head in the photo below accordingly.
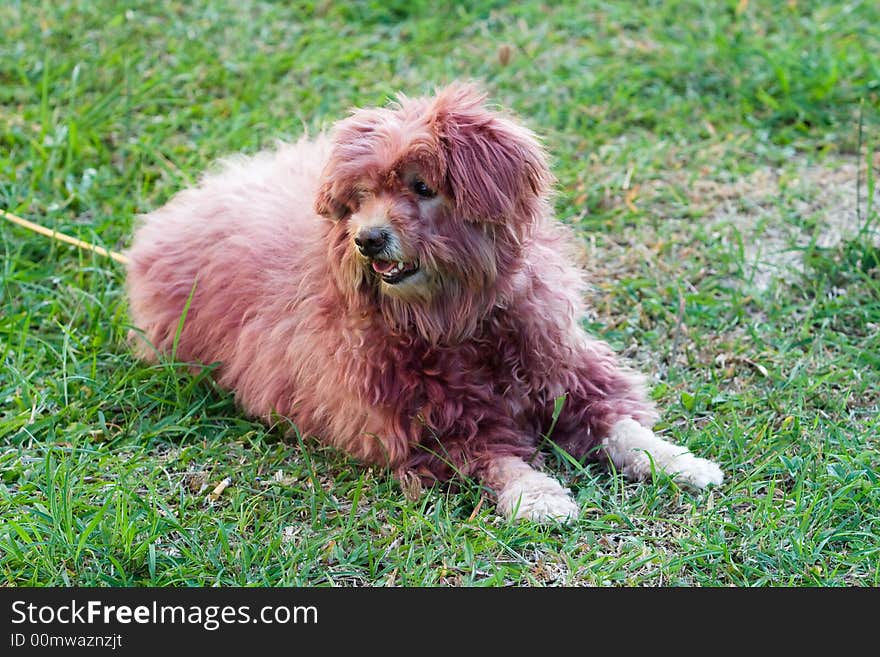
(433, 200)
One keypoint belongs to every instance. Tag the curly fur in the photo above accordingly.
(444, 376)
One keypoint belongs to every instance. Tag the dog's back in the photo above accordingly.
(244, 248)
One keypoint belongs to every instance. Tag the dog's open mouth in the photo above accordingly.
(393, 272)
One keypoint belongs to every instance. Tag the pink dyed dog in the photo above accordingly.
(401, 290)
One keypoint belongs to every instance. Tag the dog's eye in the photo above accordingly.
(420, 188)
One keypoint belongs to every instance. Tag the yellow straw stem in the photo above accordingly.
(61, 237)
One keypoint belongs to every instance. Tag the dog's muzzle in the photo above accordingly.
(373, 243)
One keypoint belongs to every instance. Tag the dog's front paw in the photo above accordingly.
(535, 496)
(695, 472)
(639, 453)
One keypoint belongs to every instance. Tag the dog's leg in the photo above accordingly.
(524, 492)
(636, 452)
(608, 411)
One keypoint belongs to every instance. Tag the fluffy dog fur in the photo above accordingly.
(288, 257)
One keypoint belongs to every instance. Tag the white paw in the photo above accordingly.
(694, 471)
(638, 453)
(535, 496)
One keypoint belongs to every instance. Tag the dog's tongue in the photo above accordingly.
(383, 266)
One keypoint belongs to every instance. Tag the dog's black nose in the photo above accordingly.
(371, 241)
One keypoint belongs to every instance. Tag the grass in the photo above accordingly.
(695, 146)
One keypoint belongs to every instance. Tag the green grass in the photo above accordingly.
(658, 117)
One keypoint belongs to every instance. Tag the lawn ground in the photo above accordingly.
(718, 160)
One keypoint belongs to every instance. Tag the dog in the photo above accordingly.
(400, 289)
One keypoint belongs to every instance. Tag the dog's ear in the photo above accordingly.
(327, 203)
(334, 192)
(351, 160)
(496, 169)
